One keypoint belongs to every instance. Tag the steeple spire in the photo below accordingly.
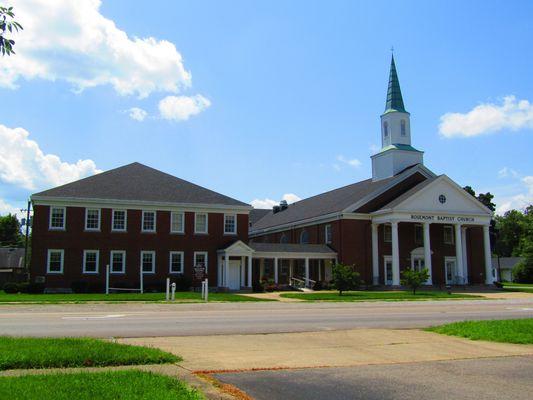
(394, 93)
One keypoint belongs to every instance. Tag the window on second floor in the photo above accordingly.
(57, 217)
(92, 219)
(284, 238)
(419, 234)
(200, 223)
(230, 224)
(327, 234)
(148, 221)
(119, 220)
(177, 222)
(448, 235)
(387, 233)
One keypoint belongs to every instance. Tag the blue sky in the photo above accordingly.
(263, 99)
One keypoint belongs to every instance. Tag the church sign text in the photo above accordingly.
(441, 218)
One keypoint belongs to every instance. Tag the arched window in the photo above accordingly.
(385, 129)
(304, 237)
(284, 238)
(402, 125)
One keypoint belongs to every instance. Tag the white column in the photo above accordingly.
(488, 257)
(276, 270)
(458, 249)
(306, 271)
(226, 270)
(249, 271)
(242, 271)
(320, 263)
(464, 272)
(427, 252)
(375, 255)
(220, 272)
(395, 255)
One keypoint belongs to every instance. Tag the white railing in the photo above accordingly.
(302, 282)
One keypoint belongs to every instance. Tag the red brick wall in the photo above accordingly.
(74, 240)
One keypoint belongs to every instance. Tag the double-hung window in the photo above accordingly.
(230, 224)
(200, 259)
(177, 222)
(119, 220)
(327, 234)
(200, 223)
(92, 219)
(387, 233)
(57, 217)
(118, 261)
(419, 234)
(176, 262)
(148, 262)
(90, 261)
(55, 261)
(148, 221)
(448, 234)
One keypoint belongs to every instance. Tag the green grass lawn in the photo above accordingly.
(518, 287)
(184, 297)
(126, 385)
(16, 353)
(511, 284)
(384, 295)
(509, 331)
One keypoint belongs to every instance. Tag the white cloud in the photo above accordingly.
(24, 164)
(512, 114)
(518, 201)
(353, 162)
(180, 108)
(136, 113)
(507, 172)
(6, 208)
(71, 41)
(269, 203)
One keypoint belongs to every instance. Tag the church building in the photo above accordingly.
(135, 226)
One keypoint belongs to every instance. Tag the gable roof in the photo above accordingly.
(344, 199)
(256, 214)
(138, 182)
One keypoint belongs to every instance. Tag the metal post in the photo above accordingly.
(107, 279)
(141, 276)
(27, 234)
(167, 294)
(206, 289)
(173, 291)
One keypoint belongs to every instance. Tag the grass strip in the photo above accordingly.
(111, 385)
(29, 353)
(383, 295)
(184, 297)
(518, 331)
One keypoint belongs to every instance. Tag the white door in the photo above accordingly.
(450, 270)
(388, 270)
(234, 275)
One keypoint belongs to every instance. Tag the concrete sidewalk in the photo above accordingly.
(323, 349)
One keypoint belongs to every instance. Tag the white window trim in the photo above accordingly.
(452, 242)
(99, 219)
(97, 262)
(125, 221)
(172, 213)
(182, 254)
(55, 228)
(111, 253)
(152, 271)
(48, 261)
(235, 225)
(326, 229)
(155, 221)
(206, 259)
(206, 223)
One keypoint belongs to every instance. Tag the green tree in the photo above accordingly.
(7, 26)
(414, 279)
(345, 277)
(510, 229)
(523, 271)
(10, 231)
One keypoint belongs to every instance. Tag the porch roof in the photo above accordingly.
(321, 249)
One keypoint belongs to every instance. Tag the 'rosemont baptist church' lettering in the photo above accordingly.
(441, 218)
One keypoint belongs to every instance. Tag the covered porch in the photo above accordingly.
(283, 264)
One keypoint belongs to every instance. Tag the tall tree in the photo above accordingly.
(7, 26)
(10, 231)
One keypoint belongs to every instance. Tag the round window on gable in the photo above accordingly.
(442, 199)
(385, 129)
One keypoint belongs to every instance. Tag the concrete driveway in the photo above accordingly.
(487, 379)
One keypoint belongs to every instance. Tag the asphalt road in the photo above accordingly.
(492, 378)
(142, 320)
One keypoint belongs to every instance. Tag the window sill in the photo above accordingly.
(148, 231)
(230, 233)
(90, 273)
(119, 231)
(57, 229)
(201, 233)
(92, 230)
(117, 273)
(177, 233)
(54, 273)
(176, 272)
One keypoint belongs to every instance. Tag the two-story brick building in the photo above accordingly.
(135, 218)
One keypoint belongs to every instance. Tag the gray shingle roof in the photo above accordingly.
(138, 182)
(291, 248)
(11, 257)
(408, 194)
(322, 204)
(257, 213)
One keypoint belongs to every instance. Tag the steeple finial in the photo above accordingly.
(394, 93)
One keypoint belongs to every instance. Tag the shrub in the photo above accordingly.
(183, 283)
(35, 288)
(523, 271)
(79, 286)
(414, 279)
(345, 277)
(23, 287)
(318, 286)
(11, 287)
(257, 287)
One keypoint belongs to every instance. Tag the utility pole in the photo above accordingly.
(28, 209)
